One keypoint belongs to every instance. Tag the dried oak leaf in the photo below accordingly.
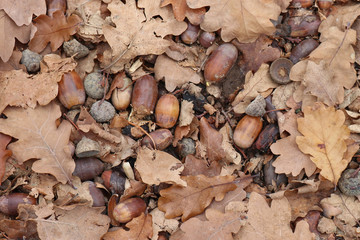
(7, 41)
(244, 20)
(212, 140)
(17, 88)
(21, 11)
(291, 159)
(182, 10)
(157, 166)
(40, 138)
(271, 223)
(135, 35)
(255, 84)
(326, 139)
(74, 222)
(139, 228)
(160, 223)
(4, 153)
(192, 200)
(218, 226)
(195, 166)
(42, 184)
(54, 30)
(174, 74)
(256, 53)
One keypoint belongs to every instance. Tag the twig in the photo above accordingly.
(342, 42)
(141, 129)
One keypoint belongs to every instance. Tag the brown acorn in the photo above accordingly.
(71, 90)
(206, 39)
(127, 210)
(162, 138)
(303, 49)
(280, 70)
(88, 168)
(191, 34)
(167, 111)
(144, 95)
(220, 62)
(114, 181)
(9, 204)
(247, 130)
(121, 97)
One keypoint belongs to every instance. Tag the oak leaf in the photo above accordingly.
(21, 11)
(182, 10)
(134, 35)
(244, 20)
(139, 228)
(192, 200)
(195, 166)
(74, 222)
(291, 159)
(157, 166)
(40, 138)
(7, 41)
(271, 223)
(54, 30)
(17, 88)
(174, 74)
(219, 225)
(4, 153)
(325, 139)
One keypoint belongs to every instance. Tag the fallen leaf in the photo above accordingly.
(194, 166)
(21, 11)
(256, 53)
(4, 153)
(218, 226)
(160, 223)
(244, 20)
(40, 138)
(42, 184)
(271, 223)
(134, 35)
(291, 159)
(192, 200)
(13, 31)
(139, 228)
(54, 30)
(157, 166)
(324, 139)
(282, 93)
(78, 193)
(186, 113)
(231, 155)
(74, 222)
(174, 74)
(17, 88)
(182, 10)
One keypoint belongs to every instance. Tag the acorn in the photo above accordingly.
(162, 138)
(302, 3)
(127, 210)
(325, 4)
(167, 111)
(9, 204)
(71, 90)
(96, 194)
(247, 130)
(266, 137)
(88, 168)
(280, 70)
(303, 49)
(121, 97)
(144, 95)
(207, 39)
(191, 34)
(220, 62)
(114, 181)
(302, 26)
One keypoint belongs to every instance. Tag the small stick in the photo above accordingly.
(141, 129)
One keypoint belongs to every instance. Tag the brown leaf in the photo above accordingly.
(182, 10)
(15, 229)
(271, 223)
(174, 74)
(74, 222)
(291, 159)
(40, 138)
(219, 226)
(192, 200)
(42, 184)
(256, 53)
(13, 63)
(140, 228)
(324, 139)
(21, 11)
(4, 153)
(212, 140)
(194, 166)
(157, 166)
(134, 35)
(186, 113)
(13, 31)
(54, 30)
(243, 20)
(17, 88)
(160, 223)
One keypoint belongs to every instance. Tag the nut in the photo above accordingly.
(280, 70)
(144, 95)
(247, 130)
(87, 148)
(257, 107)
(167, 111)
(127, 210)
(88, 168)
(102, 111)
(94, 84)
(121, 97)
(31, 60)
(76, 49)
(162, 138)
(71, 90)
(349, 184)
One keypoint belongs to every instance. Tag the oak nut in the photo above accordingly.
(191, 34)
(162, 138)
(280, 70)
(206, 39)
(325, 4)
(114, 181)
(167, 111)
(88, 168)
(87, 147)
(302, 3)
(9, 204)
(96, 85)
(220, 62)
(144, 95)
(102, 111)
(96, 194)
(303, 49)
(257, 107)
(127, 210)
(121, 97)
(71, 90)
(247, 130)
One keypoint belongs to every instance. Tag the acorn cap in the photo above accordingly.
(280, 70)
